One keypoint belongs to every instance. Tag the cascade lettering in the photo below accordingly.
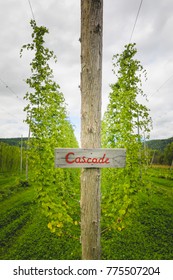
(84, 159)
(89, 158)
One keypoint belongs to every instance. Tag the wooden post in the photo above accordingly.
(91, 82)
(21, 154)
(29, 134)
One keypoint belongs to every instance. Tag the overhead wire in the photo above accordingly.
(162, 85)
(18, 98)
(31, 10)
(136, 21)
(11, 90)
(131, 39)
(158, 118)
(6, 85)
(10, 114)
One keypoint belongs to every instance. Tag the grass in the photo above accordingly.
(150, 235)
(24, 233)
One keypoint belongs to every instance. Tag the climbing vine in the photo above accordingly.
(124, 124)
(57, 190)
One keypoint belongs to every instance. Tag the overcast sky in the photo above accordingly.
(152, 34)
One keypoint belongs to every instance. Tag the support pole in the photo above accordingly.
(91, 83)
(21, 155)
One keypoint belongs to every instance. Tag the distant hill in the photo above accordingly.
(13, 141)
(159, 144)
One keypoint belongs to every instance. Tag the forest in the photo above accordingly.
(160, 153)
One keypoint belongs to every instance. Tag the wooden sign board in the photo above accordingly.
(89, 158)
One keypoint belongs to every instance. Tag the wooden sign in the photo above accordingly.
(89, 158)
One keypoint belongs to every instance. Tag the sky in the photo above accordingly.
(152, 34)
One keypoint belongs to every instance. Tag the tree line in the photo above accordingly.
(12, 159)
(163, 157)
(10, 155)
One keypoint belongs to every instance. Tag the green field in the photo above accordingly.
(24, 233)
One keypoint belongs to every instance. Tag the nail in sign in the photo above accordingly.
(90, 158)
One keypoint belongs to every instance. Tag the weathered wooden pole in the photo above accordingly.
(91, 84)
(21, 155)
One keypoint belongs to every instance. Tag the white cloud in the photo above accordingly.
(152, 35)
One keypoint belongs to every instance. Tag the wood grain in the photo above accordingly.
(90, 158)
